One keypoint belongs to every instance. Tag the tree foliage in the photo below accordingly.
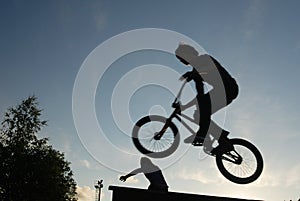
(30, 168)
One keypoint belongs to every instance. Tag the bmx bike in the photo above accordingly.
(156, 136)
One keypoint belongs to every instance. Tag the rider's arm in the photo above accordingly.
(196, 77)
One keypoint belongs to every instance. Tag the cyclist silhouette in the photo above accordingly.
(152, 173)
(206, 69)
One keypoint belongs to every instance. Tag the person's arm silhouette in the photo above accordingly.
(196, 77)
(132, 173)
(152, 173)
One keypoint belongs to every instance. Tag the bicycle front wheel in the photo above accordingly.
(242, 165)
(143, 136)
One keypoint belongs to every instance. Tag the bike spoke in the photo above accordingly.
(245, 168)
(157, 145)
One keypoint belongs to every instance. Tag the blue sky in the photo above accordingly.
(44, 44)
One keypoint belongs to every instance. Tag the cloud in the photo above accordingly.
(85, 163)
(59, 138)
(86, 193)
(292, 178)
(132, 180)
(258, 115)
(100, 20)
(67, 12)
(89, 165)
(99, 16)
(197, 175)
(285, 177)
(253, 20)
(270, 178)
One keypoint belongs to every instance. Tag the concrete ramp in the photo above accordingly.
(134, 194)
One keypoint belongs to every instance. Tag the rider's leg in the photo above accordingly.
(221, 136)
(204, 109)
(217, 131)
(204, 104)
(218, 102)
(208, 105)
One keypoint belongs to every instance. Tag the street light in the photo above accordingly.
(98, 187)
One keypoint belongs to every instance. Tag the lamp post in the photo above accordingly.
(98, 187)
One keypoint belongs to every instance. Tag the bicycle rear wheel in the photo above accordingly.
(143, 136)
(242, 165)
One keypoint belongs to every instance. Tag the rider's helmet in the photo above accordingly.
(185, 53)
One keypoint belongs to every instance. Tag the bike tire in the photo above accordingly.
(250, 174)
(170, 144)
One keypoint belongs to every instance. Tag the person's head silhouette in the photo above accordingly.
(146, 161)
(186, 53)
(147, 165)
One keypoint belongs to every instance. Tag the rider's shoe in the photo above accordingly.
(224, 145)
(224, 135)
(222, 149)
(199, 138)
(215, 151)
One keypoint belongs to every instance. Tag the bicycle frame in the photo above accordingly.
(178, 117)
(177, 114)
(233, 157)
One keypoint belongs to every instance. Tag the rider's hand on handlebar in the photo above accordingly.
(187, 76)
(182, 78)
(176, 104)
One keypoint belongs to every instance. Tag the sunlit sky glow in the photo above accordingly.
(44, 43)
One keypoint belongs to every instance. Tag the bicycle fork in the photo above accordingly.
(159, 134)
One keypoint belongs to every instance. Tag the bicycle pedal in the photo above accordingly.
(197, 144)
